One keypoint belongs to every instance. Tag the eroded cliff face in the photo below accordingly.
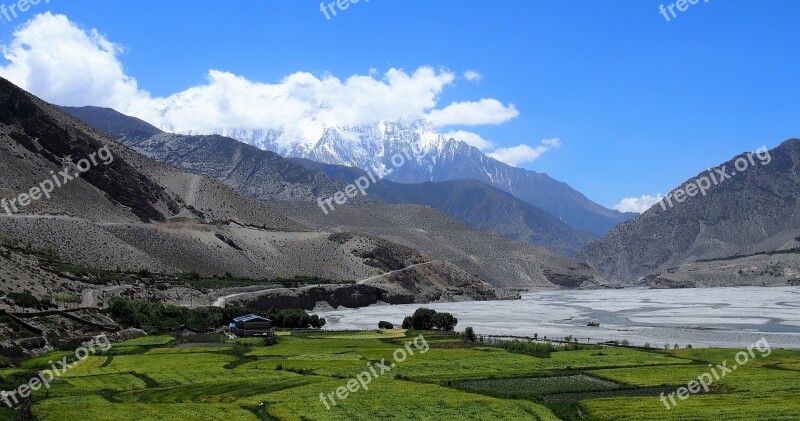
(428, 282)
(351, 296)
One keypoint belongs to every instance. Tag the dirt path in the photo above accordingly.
(220, 302)
(194, 190)
(364, 281)
(88, 295)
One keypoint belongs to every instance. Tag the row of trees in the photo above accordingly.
(157, 317)
(295, 319)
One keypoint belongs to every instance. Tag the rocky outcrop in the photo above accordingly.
(782, 268)
(351, 296)
(571, 280)
(427, 282)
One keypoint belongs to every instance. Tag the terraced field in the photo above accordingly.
(160, 378)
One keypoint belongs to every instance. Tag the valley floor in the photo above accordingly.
(701, 317)
(427, 375)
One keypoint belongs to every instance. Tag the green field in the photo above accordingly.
(536, 386)
(147, 340)
(161, 378)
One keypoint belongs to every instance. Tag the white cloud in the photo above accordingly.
(54, 59)
(473, 75)
(57, 60)
(472, 139)
(474, 113)
(554, 142)
(637, 204)
(301, 102)
(523, 153)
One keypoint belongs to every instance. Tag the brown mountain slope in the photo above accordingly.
(259, 174)
(755, 210)
(496, 260)
(136, 213)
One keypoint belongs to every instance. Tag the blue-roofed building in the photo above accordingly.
(251, 325)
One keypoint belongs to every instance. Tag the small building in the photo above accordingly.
(251, 325)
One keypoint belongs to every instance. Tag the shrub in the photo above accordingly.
(27, 300)
(240, 350)
(385, 325)
(537, 349)
(469, 334)
(542, 349)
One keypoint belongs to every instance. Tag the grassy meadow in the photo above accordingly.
(161, 378)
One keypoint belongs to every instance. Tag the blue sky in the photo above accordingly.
(639, 104)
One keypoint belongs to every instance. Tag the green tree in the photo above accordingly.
(422, 319)
(444, 321)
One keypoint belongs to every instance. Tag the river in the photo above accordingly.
(704, 317)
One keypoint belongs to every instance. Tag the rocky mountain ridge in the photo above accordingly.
(753, 208)
(427, 156)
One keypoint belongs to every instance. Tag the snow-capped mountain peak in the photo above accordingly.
(414, 151)
(382, 147)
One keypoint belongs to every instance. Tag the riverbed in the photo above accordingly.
(701, 317)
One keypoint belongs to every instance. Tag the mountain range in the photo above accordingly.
(428, 156)
(264, 175)
(474, 203)
(743, 230)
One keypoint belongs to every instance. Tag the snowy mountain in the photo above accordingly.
(415, 152)
(369, 147)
